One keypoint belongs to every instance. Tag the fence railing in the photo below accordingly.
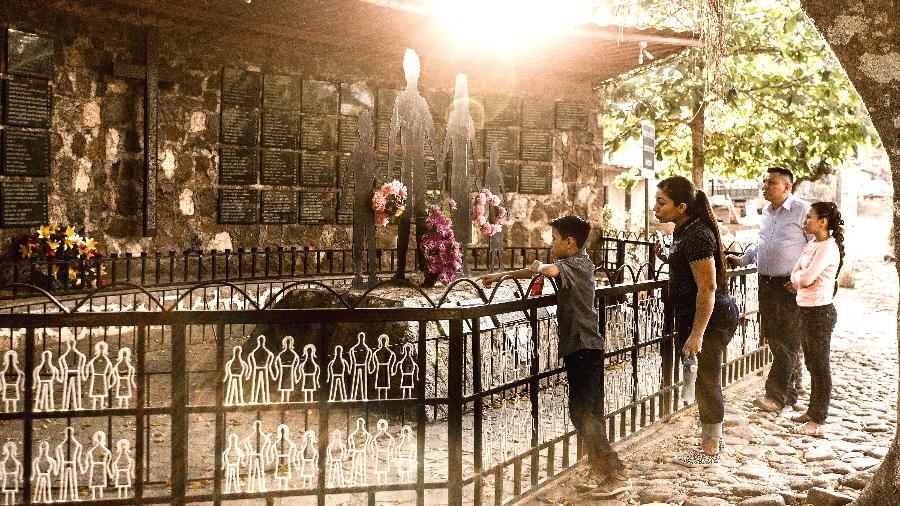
(459, 402)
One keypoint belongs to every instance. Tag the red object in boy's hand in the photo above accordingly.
(537, 288)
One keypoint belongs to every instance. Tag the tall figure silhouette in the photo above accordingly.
(362, 167)
(493, 181)
(461, 138)
(412, 120)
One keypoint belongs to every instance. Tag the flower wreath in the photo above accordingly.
(484, 199)
(389, 201)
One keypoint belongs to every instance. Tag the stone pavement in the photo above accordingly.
(764, 463)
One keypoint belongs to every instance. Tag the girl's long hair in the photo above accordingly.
(830, 211)
(682, 191)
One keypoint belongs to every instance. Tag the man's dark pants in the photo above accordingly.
(779, 319)
(584, 371)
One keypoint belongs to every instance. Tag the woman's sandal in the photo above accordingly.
(806, 430)
(801, 418)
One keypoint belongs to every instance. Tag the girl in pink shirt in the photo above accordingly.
(814, 279)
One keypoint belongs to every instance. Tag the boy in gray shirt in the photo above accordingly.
(581, 347)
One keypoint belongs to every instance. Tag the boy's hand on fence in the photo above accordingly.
(536, 267)
(487, 279)
(733, 261)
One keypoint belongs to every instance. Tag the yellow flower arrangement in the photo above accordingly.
(71, 257)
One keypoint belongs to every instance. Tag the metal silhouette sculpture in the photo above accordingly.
(336, 452)
(124, 374)
(493, 181)
(11, 379)
(460, 138)
(362, 363)
(42, 468)
(359, 444)
(261, 364)
(287, 369)
(337, 372)
(73, 372)
(122, 468)
(96, 464)
(232, 460)
(68, 460)
(362, 168)
(11, 473)
(411, 120)
(257, 447)
(409, 371)
(286, 455)
(385, 363)
(308, 457)
(45, 374)
(100, 376)
(309, 373)
(236, 370)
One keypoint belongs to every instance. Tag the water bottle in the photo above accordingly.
(689, 375)
(537, 288)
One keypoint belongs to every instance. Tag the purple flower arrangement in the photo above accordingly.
(443, 256)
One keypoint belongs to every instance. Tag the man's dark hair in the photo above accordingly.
(784, 172)
(574, 227)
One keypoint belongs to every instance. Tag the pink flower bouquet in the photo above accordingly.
(443, 255)
(483, 200)
(389, 201)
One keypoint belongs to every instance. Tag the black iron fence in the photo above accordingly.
(137, 400)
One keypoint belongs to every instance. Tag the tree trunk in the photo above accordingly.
(698, 155)
(865, 37)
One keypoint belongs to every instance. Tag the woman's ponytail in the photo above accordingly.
(701, 208)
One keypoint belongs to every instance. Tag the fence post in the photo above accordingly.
(454, 413)
(533, 387)
(179, 422)
(620, 253)
(667, 350)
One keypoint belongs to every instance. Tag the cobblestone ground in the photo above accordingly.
(764, 463)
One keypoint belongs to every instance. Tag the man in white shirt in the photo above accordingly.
(781, 241)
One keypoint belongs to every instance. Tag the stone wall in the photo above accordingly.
(96, 136)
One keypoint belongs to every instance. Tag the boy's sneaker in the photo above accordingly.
(697, 458)
(614, 485)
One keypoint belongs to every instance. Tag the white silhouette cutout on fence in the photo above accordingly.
(385, 362)
(11, 389)
(261, 362)
(358, 444)
(286, 455)
(232, 457)
(362, 363)
(122, 468)
(383, 451)
(309, 458)
(97, 465)
(41, 468)
(68, 457)
(45, 374)
(406, 454)
(235, 372)
(309, 373)
(337, 370)
(409, 371)
(257, 448)
(72, 375)
(123, 378)
(336, 453)
(100, 373)
(10, 473)
(287, 368)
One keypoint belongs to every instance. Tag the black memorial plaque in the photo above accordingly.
(440, 104)
(281, 92)
(240, 126)
(22, 204)
(345, 209)
(431, 176)
(30, 55)
(279, 168)
(356, 98)
(501, 111)
(26, 153)
(507, 142)
(320, 97)
(537, 114)
(571, 115)
(238, 205)
(317, 207)
(318, 169)
(238, 166)
(279, 207)
(536, 179)
(383, 136)
(318, 132)
(241, 87)
(348, 127)
(385, 99)
(510, 174)
(382, 168)
(28, 103)
(280, 129)
(344, 171)
(537, 145)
